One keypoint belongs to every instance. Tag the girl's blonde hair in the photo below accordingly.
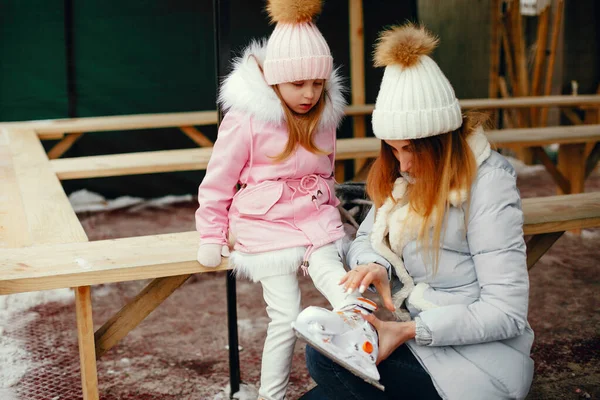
(301, 127)
(441, 164)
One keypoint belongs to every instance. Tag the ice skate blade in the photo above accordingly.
(341, 362)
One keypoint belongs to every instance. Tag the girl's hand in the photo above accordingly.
(364, 275)
(392, 334)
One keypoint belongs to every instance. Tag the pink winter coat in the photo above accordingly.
(280, 205)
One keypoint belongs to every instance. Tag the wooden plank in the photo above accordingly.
(90, 263)
(13, 232)
(561, 213)
(64, 145)
(55, 127)
(49, 214)
(347, 149)
(85, 336)
(132, 163)
(135, 312)
(539, 244)
(545, 135)
(197, 136)
(556, 25)
(118, 260)
(523, 102)
(357, 71)
(513, 102)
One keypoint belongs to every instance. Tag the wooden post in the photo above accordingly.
(518, 42)
(556, 22)
(572, 164)
(540, 56)
(64, 145)
(197, 136)
(538, 245)
(522, 85)
(357, 71)
(136, 311)
(509, 114)
(340, 171)
(510, 70)
(592, 116)
(494, 48)
(85, 334)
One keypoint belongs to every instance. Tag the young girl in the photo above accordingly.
(447, 215)
(277, 141)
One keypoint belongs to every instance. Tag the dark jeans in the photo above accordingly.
(401, 374)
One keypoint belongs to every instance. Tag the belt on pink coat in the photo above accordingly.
(309, 184)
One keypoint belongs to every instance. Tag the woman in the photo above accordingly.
(447, 217)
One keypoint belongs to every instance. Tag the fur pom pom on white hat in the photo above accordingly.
(415, 99)
(293, 11)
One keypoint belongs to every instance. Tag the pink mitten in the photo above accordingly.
(209, 255)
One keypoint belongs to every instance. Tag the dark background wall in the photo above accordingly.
(151, 56)
(142, 56)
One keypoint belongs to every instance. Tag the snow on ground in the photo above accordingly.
(246, 392)
(84, 200)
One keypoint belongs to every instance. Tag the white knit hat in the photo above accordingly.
(415, 99)
(296, 49)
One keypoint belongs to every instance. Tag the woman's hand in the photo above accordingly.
(364, 275)
(392, 334)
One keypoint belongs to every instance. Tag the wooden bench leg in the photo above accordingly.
(340, 171)
(572, 164)
(538, 245)
(85, 334)
(135, 312)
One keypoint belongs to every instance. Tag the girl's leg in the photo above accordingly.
(401, 374)
(326, 269)
(282, 295)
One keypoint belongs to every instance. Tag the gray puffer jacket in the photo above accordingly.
(472, 331)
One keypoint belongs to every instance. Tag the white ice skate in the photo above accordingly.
(343, 336)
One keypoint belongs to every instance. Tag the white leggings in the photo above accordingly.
(282, 295)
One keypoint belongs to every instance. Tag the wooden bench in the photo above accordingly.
(40, 235)
(70, 130)
(569, 174)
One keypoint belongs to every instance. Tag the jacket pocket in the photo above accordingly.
(258, 200)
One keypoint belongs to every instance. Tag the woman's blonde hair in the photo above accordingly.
(301, 127)
(441, 164)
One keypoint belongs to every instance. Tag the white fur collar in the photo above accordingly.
(394, 212)
(245, 90)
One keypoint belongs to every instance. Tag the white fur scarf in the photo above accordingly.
(245, 90)
(395, 213)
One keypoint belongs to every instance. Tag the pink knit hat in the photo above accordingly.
(296, 50)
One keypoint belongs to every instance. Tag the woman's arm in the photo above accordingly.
(361, 252)
(495, 237)
(367, 266)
